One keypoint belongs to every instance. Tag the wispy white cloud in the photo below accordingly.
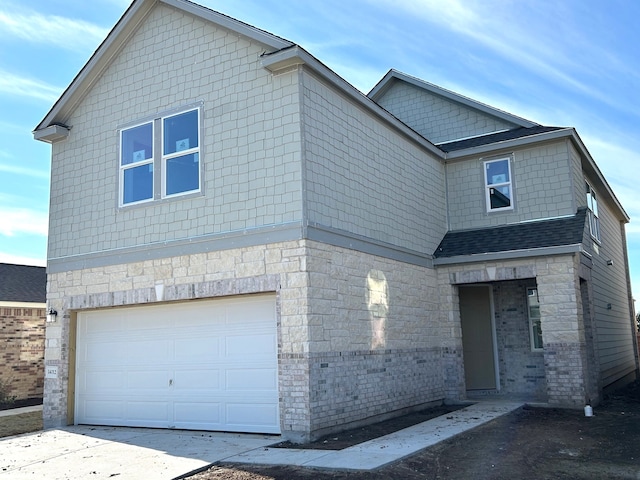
(16, 85)
(30, 172)
(17, 221)
(66, 33)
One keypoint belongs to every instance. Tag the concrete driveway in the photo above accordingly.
(83, 452)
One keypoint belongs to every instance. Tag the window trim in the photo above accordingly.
(532, 319)
(159, 159)
(488, 187)
(147, 161)
(592, 212)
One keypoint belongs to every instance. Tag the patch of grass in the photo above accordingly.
(22, 423)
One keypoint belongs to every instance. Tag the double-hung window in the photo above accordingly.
(160, 158)
(498, 185)
(592, 205)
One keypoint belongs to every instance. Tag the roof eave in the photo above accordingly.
(297, 56)
(509, 255)
(119, 35)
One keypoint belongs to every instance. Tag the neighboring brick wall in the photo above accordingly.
(22, 350)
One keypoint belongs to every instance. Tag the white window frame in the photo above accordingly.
(592, 206)
(190, 151)
(123, 168)
(489, 187)
(533, 319)
(159, 159)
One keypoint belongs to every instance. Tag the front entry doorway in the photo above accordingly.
(478, 337)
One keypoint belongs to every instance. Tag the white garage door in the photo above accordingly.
(204, 365)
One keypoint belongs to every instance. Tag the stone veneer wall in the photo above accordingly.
(563, 332)
(359, 335)
(22, 350)
(522, 371)
(277, 267)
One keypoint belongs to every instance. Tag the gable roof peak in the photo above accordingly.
(393, 75)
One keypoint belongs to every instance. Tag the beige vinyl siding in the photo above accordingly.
(437, 118)
(250, 140)
(609, 282)
(540, 176)
(363, 177)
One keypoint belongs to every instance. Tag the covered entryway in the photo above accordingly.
(207, 365)
(478, 337)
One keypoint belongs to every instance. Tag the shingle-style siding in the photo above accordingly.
(613, 317)
(365, 178)
(22, 341)
(436, 118)
(250, 144)
(540, 175)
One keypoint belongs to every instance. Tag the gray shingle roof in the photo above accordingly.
(496, 137)
(521, 236)
(23, 283)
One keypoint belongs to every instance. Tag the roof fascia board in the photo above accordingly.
(297, 56)
(509, 255)
(387, 80)
(594, 169)
(100, 59)
(229, 23)
(508, 144)
(11, 304)
(118, 37)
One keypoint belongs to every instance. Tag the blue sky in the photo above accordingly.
(569, 63)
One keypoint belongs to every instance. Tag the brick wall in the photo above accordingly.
(22, 350)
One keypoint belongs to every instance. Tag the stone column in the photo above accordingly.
(563, 335)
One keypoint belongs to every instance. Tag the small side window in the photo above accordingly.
(592, 205)
(498, 185)
(535, 324)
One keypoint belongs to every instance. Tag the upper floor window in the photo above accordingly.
(592, 205)
(153, 167)
(498, 185)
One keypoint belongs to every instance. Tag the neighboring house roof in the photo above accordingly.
(555, 232)
(490, 138)
(394, 75)
(22, 283)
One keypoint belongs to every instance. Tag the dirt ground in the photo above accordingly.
(530, 443)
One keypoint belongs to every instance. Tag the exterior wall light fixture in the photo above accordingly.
(52, 315)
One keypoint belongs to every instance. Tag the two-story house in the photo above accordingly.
(242, 241)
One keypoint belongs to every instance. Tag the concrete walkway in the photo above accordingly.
(81, 452)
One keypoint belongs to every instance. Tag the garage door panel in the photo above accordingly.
(250, 345)
(147, 380)
(197, 380)
(195, 413)
(100, 382)
(195, 365)
(244, 416)
(249, 379)
(202, 348)
(95, 352)
(146, 352)
(149, 412)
